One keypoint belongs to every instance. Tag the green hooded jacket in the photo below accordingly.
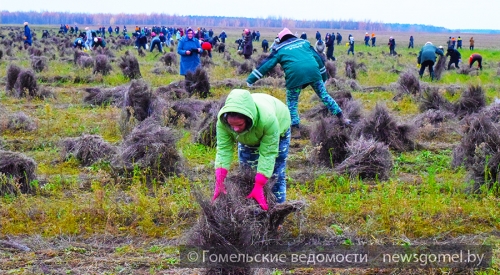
(270, 120)
(428, 52)
(301, 63)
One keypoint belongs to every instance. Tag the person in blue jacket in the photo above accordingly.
(78, 43)
(189, 49)
(141, 40)
(155, 42)
(27, 35)
(223, 36)
(110, 30)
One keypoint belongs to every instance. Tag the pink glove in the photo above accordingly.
(220, 176)
(258, 191)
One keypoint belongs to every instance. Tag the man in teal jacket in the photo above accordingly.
(260, 124)
(303, 66)
(427, 58)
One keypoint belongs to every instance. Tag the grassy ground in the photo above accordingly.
(85, 220)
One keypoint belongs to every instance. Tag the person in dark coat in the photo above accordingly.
(471, 45)
(410, 45)
(373, 39)
(339, 39)
(76, 29)
(257, 36)
(247, 46)
(392, 46)
(476, 57)
(318, 35)
(351, 45)
(223, 36)
(155, 42)
(455, 57)
(78, 43)
(265, 46)
(367, 39)
(117, 30)
(459, 42)
(303, 36)
(329, 47)
(27, 35)
(427, 58)
(189, 49)
(110, 30)
(98, 41)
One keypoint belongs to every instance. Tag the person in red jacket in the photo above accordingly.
(476, 57)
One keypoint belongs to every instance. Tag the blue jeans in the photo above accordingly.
(249, 156)
(292, 101)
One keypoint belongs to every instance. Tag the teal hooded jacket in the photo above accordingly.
(270, 120)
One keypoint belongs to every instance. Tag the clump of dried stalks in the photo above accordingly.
(87, 149)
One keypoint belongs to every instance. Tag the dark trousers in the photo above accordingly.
(427, 63)
(453, 62)
(479, 62)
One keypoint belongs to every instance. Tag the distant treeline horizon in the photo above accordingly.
(143, 19)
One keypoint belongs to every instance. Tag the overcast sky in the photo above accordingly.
(456, 14)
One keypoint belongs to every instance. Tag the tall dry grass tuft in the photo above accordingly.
(472, 100)
(87, 149)
(130, 66)
(381, 126)
(151, 149)
(101, 65)
(350, 68)
(367, 159)
(20, 168)
(198, 83)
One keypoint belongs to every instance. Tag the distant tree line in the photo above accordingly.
(56, 18)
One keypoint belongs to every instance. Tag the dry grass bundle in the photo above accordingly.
(237, 224)
(381, 126)
(433, 117)
(477, 131)
(9, 51)
(138, 100)
(433, 100)
(79, 54)
(472, 100)
(35, 51)
(151, 148)
(19, 121)
(354, 85)
(230, 83)
(205, 132)
(408, 83)
(8, 186)
(465, 70)
(102, 65)
(1, 54)
(20, 168)
(13, 72)
(439, 67)
(87, 149)
(170, 59)
(367, 159)
(198, 82)
(99, 97)
(493, 111)
(38, 63)
(276, 71)
(206, 61)
(244, 68)
(270, 82)
(330, 140)
(350, 68)
(130, 66)
(486, 169)
(105, 51)
(331, 69)
(185, 112)
(172, 92)
(86, 62)
(26, 84)
(141, 53)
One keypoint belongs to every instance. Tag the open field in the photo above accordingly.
(94, 219)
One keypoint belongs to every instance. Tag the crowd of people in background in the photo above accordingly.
(203, 40)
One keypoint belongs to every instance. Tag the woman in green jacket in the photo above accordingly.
(260, 124)
(303, 66)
